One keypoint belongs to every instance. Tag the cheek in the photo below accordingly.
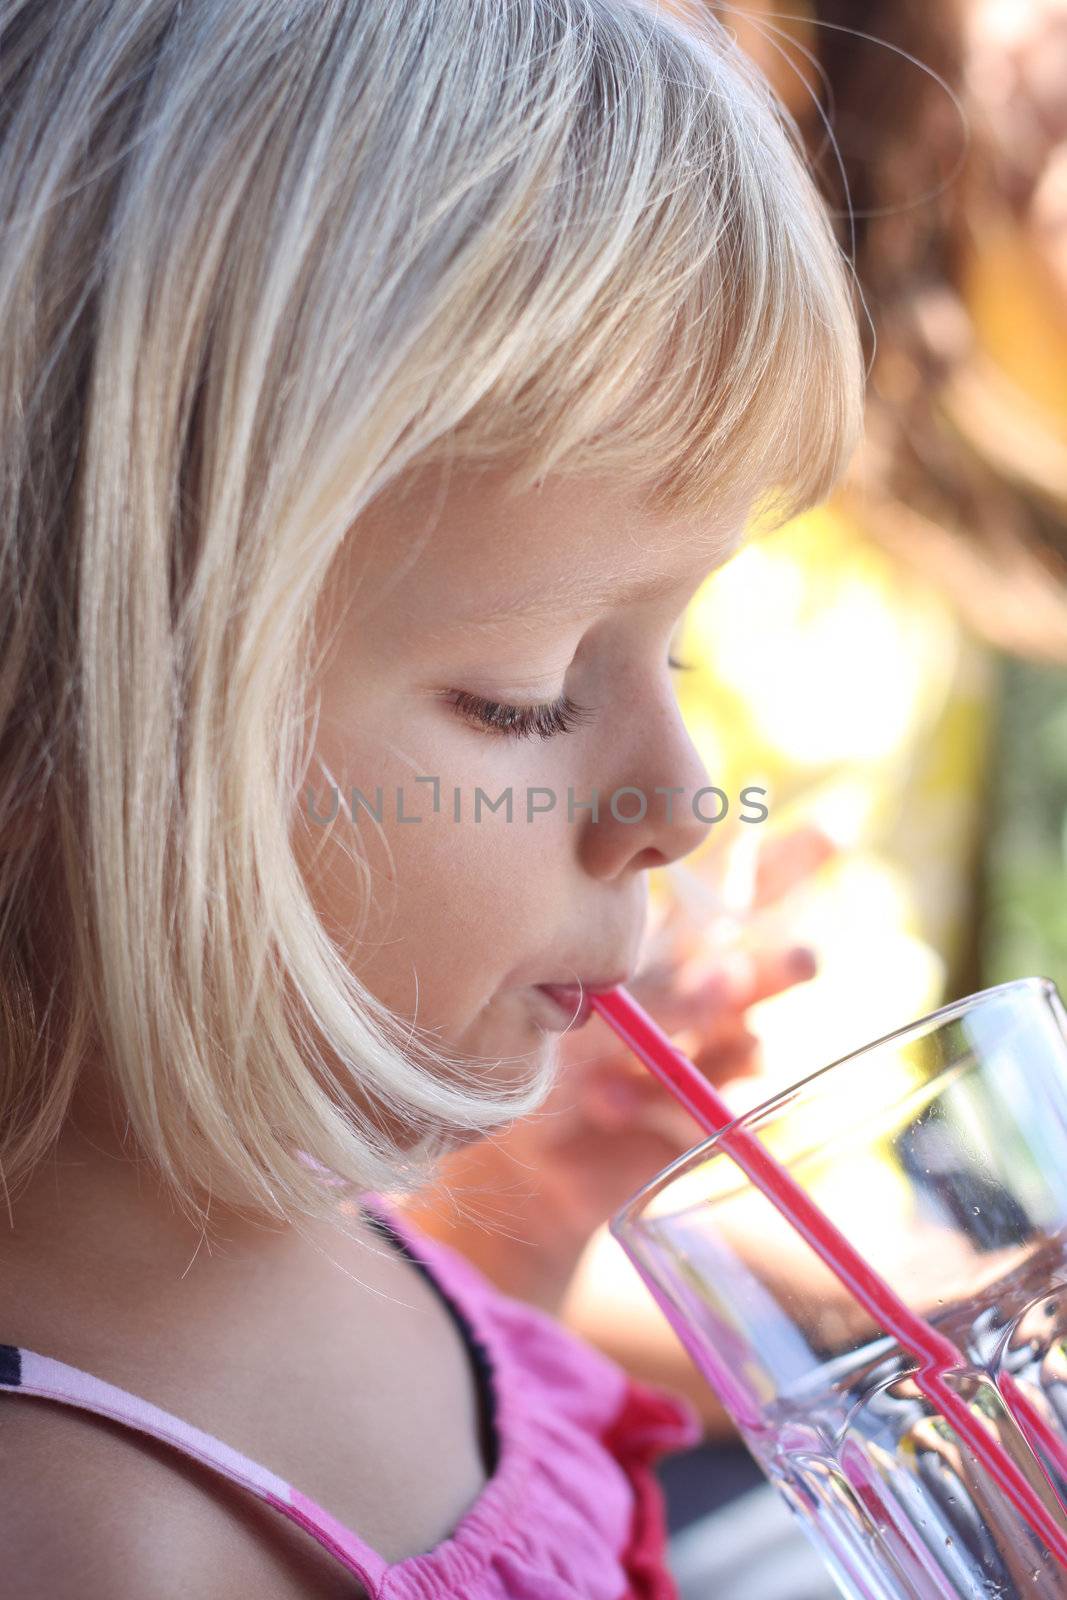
(434, 914)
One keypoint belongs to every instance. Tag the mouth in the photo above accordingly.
(570, 1004)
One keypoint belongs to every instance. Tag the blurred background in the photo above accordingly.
(902, 680)
(893, 667)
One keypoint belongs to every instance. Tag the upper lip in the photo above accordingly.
(588, 984)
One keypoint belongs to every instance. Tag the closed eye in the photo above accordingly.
(522, 722)
(542, 721)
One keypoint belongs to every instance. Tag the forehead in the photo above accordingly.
(571, 545)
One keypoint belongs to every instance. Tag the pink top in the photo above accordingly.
(572, 1509)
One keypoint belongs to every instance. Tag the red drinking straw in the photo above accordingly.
(936, 1355)
(1033, 1424)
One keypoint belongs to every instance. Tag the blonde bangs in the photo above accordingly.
(677, 308)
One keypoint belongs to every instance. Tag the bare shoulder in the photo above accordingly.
(90, 1510)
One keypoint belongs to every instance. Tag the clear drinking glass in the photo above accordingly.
(940, 1151)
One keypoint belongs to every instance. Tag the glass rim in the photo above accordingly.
(705, 1150)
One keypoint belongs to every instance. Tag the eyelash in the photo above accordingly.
(524, 722)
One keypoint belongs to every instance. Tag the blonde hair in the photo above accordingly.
(257, 261)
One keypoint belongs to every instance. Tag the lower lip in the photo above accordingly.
(572, 1007)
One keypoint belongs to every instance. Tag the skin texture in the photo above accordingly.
(467, 917)
(99, 1269)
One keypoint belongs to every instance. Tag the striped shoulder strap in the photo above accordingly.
(27, 1373)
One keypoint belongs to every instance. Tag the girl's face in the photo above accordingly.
(453, 601)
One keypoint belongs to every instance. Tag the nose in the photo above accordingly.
(655, 800)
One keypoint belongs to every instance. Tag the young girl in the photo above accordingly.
(377, 384)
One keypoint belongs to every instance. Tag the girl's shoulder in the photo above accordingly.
(458, 1438)
(93, 1511)
(139, 1456)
